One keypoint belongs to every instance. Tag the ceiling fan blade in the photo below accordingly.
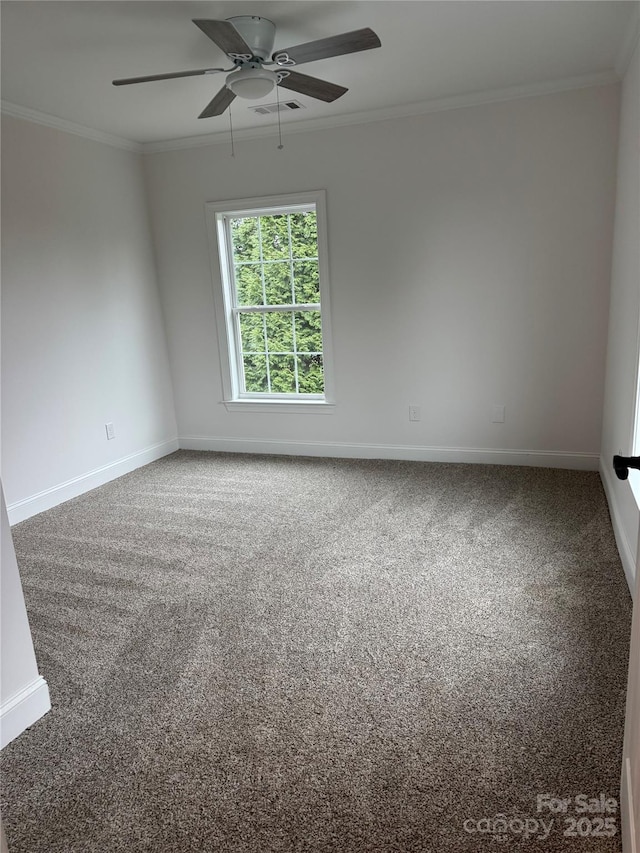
(312, 86)
(364, 39)
(225, 35)
(219, 104)
(126, 80)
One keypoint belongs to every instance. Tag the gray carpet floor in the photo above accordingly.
(278, 655)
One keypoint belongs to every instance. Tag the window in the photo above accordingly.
(269, 269)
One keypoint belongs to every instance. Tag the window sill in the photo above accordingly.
(309, 407)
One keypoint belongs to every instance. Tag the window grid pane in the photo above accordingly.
(261, 252)
(266, 352)
(293, 299)
(295, 348)
(264, 292)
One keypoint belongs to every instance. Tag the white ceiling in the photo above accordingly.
(59, 58)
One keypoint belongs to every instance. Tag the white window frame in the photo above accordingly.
(217, 215)
(634, 474)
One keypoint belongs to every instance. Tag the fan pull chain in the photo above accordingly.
(233, 153)
(280, 146)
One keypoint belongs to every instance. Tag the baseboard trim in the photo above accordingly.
(624, 546)
(23, 710)
(415, 453)
(21, 510)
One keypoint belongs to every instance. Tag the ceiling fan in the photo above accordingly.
(248, 41)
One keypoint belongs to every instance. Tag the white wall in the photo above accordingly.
(622, 355)
(83, 339)
(24, 695)
(470, 258)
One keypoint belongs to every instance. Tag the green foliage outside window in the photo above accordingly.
(275, 261)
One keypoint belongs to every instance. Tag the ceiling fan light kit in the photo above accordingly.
(252, 83)
(248, 42)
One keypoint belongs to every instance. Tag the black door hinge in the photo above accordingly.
(621, 465)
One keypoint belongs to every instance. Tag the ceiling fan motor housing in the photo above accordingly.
(259, 34)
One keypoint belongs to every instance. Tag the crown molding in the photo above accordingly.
(471, 99)
(47, 120)
(629, 42)
(455, 102)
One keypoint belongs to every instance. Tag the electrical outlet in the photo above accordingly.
(111, 432)
(414, 413)
(498, 415)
